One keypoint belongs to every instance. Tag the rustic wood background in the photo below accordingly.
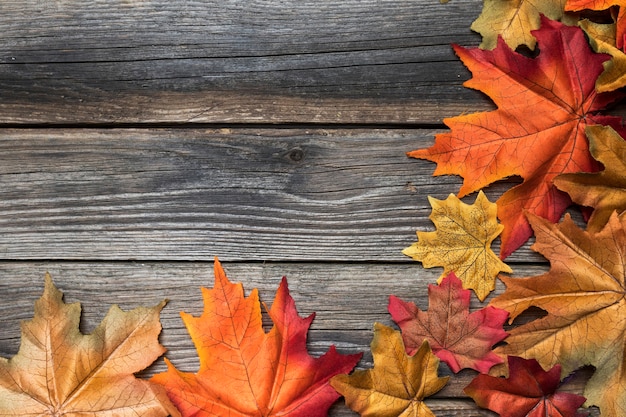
(141, 138)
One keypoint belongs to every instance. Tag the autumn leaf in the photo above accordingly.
(462, 242)
(537, 132)
(245, 371)
(397, 384)
(529, 391)
(584, 297)
(598, 5)
(605, 191)
(59, 371)
(602, 40)
(514, 21)
(459, 338)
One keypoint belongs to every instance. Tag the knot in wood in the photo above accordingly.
(295, 154)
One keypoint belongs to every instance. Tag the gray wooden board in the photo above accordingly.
(230, 61)
(243, 194)
(347, 298)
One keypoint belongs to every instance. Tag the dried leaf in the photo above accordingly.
(398, 383)
(584, 297)
(528, 392)
(598, 5)
(537, 132)
(59, 371)
(462, 242)
(247, 372)
(514, 21)
(605, 191)
(459, 338)
(602, 40)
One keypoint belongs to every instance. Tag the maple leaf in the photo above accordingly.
(580, 5)
(60, 371)
(397, 384)
(247, 372)
(514, 20)
(584, 297)
(602, 40)
(459, 338)
(537, 132)
(462, 242)
(528, 392)
(605, 191)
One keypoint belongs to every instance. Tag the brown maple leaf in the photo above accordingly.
(60, 372)
(514, 21)
(462, 242)
(537, 132)
(529, 391)
(584, 295)
(605, 191)
(247, 372)
(398, 383)
(459, 338)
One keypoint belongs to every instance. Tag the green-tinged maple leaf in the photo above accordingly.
(537, 132)
(584, 295)
(59, 371)
(602, 40)
(529, 391)
(245, 371)
(605, 191)
(459, 338)
(514, 21)
(398, 383)
(462, 242)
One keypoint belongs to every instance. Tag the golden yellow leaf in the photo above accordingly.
(602, 40)
(462, 242)
(59, 371)
(397, 384)
(514, 20)
(605, 191)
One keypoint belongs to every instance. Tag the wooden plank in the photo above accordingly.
(243, 194)
(274, 61)
(347, 299)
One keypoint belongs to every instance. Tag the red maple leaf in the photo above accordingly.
(528, 392)
(459, 338)
(245, 371)
(538, 130)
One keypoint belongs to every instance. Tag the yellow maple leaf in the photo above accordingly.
(462, 242)
(397, 384)
(514, 20)
(59, 371)
(602, 40)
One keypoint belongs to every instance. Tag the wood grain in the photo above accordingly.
(346, 297)
(102, 62)
(191, 194)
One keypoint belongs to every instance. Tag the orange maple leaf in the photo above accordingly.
(580, 5)
(459, 338)
(537, 132)
(398, 382)
(247, 372)
(60, 372)
(584, 295)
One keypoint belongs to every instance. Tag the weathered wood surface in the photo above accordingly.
(242, 194)
(233, 61)
(139, 139)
